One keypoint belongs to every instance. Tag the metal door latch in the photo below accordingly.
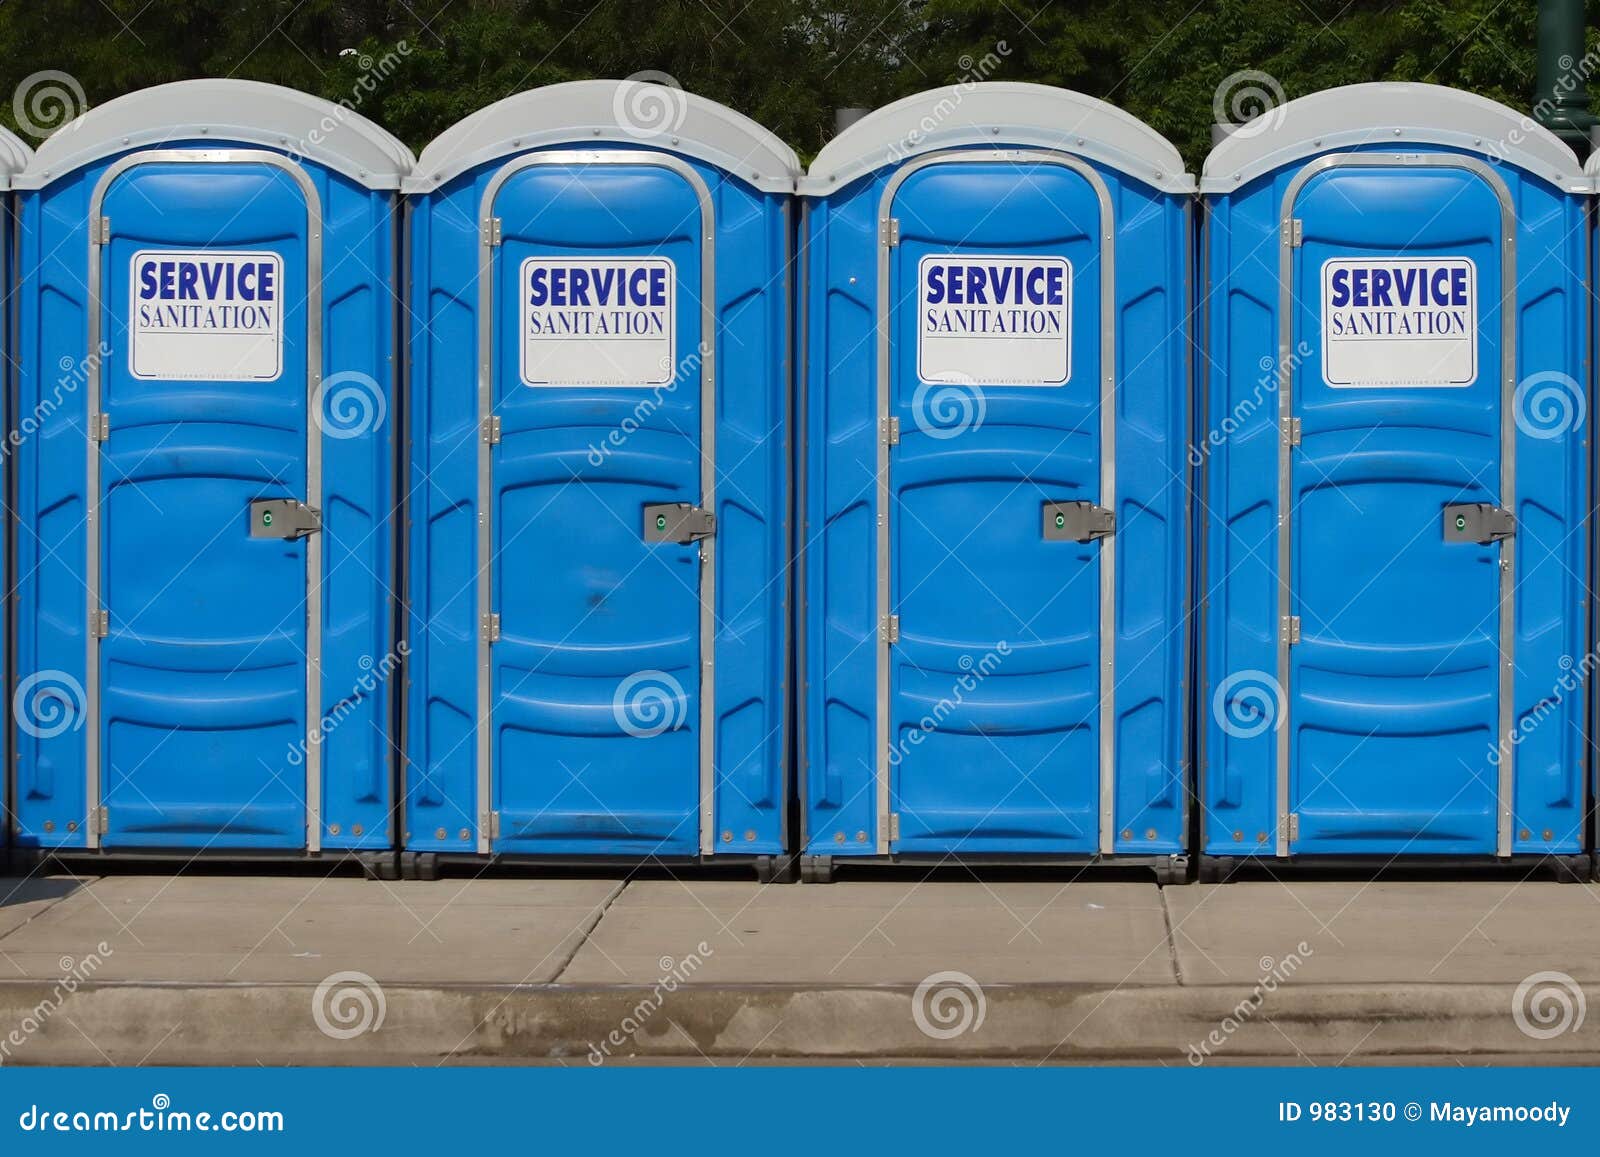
(283, 518)
(1479, 522)
(678, 522)
(1077, 522)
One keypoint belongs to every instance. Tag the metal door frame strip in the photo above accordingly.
(313, 495)
(1508, 457)
(1108, 470)
(708, 469)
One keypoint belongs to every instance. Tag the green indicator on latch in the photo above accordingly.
(1061, 520)
(266, 518)
(1461, 522)
(661, 522)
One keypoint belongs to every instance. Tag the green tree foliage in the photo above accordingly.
(788, 63)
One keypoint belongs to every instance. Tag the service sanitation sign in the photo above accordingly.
(598, 321)
(1399, 323)
(202, 315)
(995, 320)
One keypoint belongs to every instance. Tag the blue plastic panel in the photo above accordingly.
(1393, 695)
(1011, 762)
(586, 605)
(203, 736)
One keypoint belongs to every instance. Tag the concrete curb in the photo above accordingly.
(130, 1023)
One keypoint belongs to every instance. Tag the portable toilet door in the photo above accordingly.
(1396, 484)
(597, 575)
(14, 155)
(205, 631)
(996, 423)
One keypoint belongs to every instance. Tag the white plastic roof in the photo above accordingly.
(1398, 114)
(229, 110)
(998, 113)
(627, 111)
(14, 156)
(1592, 169)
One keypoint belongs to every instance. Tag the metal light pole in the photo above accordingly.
(1561, 98)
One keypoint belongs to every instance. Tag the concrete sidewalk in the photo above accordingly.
(160, 969)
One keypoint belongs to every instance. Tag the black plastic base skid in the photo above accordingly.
(1567, 869)
(1168, 870)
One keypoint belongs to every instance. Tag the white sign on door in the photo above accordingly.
(994, 320)
(204, 315)
(598, 321)
(1399, 322)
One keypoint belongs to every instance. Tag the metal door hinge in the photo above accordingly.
(491, 628)
(283, 518)
(894, 825)
(889, 428)
(1294, 232)
(1291, 431)
(100, 427)
(889, 629)
(1077, 522)
(491, 231)
(99, 624)
(491, 430)
(100, 820)
(1291, 629)
(1292, 823)
(678, 522)
(889, 231)
(1480, 522)
(101, 230)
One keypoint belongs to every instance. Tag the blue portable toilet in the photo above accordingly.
(207, 336)
(599, 385)
(994, 548)
(14, 155)
(1395, 458)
